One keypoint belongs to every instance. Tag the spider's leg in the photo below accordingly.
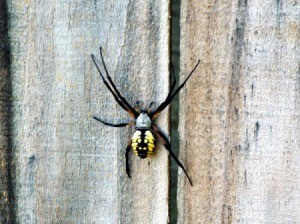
(133, 113)
(164, 140)
(174, 81)
(170, 97)
(113, 125)
(127, 158)
(170, 92)
(110, 89)
(116, 90)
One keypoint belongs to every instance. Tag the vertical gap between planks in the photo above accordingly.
(7, 170)
(175, 56)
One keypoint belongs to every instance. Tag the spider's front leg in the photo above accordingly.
(114, 125)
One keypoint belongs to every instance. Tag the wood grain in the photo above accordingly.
(239, 115)
(70, 168)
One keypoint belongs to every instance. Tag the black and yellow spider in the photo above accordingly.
(144, 138)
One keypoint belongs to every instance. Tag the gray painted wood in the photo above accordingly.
(240, 114)
(70, 168)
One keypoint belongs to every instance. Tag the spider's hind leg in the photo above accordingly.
(164, 140)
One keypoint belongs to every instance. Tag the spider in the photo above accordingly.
(144, 137)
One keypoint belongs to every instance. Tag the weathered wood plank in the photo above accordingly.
(71, 169)
(240, 114)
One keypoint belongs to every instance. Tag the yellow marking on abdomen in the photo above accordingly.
(143, 143)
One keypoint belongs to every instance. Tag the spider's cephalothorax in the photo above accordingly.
(146, 132)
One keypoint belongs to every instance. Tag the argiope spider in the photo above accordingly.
(144, 138)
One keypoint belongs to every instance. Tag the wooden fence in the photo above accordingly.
(239, 114)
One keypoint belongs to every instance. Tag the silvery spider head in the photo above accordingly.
(143, 120)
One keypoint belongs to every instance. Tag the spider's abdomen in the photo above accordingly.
(143, 143)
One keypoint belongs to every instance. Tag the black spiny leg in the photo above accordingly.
(118, 97)
(164, 140)
(171, 95)
(113, 125)
(170, 92)
(131, 110)
(127, 158)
